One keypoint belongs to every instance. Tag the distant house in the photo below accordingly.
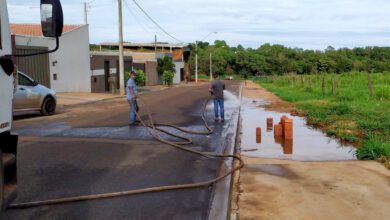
(105, 65)
(66, 70)
(145, 55)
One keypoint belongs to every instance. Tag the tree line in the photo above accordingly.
(277, 59)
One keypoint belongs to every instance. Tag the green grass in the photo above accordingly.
(351, 113)
(203, 76)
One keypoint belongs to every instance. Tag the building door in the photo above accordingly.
(37, 67)
(106, 75)
(181, 74)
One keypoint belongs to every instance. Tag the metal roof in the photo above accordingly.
(159, 45)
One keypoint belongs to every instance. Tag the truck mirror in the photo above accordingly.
(52, 19)
(7, 64)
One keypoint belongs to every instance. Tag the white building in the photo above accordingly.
(67, 69)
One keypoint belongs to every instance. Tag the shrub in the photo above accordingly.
(140, 80)
(168, 77)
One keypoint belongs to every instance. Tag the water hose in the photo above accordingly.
(153, 129)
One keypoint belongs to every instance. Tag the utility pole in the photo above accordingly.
(121, 62)
(155, 43)
(196, 56)
(211, 68)
(196, 62)
(85, 13)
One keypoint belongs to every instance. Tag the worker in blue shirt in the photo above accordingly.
(132, 94)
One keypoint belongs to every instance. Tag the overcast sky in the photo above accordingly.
(312, 24)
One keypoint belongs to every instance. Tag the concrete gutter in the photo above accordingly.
(221, 199)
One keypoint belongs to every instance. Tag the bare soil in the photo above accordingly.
(274, 103)
(283, 189)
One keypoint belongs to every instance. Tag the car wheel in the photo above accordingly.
(48, 106)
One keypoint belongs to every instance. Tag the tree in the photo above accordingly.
(277, 59)
(165, 64)
(141, 78)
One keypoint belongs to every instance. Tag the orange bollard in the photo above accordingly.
(288, 147)
(288, 129)
(278, 131)
(258, 135)
(282, 119)
(279, 140)
(270, 124)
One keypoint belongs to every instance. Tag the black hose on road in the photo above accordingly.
(153, 129)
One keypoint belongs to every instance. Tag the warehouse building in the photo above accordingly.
(67, 69)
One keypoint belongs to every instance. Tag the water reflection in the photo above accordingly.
(270, 124)
(288, 146)
(308, 144)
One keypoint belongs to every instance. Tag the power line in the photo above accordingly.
(150, 18)
(134, 17)
(140, 22)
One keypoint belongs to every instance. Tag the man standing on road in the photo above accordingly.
(216, 90)
(132, 94)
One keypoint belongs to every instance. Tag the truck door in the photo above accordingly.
(6, 81)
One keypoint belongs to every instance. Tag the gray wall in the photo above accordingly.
(35, 66)
(99, 78)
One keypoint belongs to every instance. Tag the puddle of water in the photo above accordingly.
(308, 144)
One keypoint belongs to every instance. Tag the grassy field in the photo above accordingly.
(350, 112)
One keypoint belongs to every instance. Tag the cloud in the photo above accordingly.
(296, 23)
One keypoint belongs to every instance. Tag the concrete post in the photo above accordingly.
(121, 61)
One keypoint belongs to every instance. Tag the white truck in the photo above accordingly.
(52, 24)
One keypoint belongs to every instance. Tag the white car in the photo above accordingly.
(32, 96)
(229, 78)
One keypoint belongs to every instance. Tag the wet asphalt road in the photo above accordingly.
(89, 149)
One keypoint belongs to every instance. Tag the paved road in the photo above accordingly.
(89, 148)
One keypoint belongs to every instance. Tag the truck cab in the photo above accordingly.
(52, 24)
(8, 141)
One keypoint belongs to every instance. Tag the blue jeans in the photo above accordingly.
(133, 108)
(219, 103)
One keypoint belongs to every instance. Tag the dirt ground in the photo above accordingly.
(284, 189)
(274, 103)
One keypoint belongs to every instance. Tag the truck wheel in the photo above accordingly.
(48, 106)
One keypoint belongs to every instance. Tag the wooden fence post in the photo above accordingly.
(370, 85)
(332, 86)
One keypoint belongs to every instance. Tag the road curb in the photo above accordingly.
(221, 196)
